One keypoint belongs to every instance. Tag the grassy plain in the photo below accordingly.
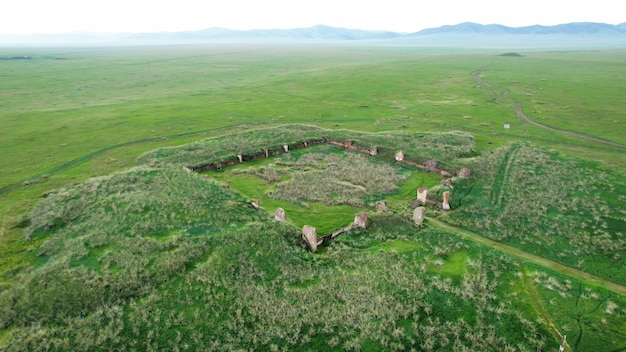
(71, 114)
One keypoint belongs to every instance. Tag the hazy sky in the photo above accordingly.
(54, 16)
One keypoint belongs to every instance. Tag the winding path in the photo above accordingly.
(517, 107)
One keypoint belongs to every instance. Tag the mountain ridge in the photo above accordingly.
(324, 33)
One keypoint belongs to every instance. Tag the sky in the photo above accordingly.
(61, 16)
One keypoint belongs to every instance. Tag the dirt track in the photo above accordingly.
(532, 258)
(517, 107)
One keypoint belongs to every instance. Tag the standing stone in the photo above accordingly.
(399, 156)
(431, 164)
(266, 152)
(382, 206)
(374, 150)
(347, 144)
(286, 148)
(255, 204)
(306, 144)
(422, 194)
(465, 172)
(309, 235)
(361, 220)
(240, 158)
(446, 200)
(418, 215)
(279, 214)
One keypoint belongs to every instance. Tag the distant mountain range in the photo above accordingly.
(464, 34)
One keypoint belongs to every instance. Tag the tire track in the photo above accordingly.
(517, 107)
(532, 258)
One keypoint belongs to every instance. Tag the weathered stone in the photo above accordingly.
(279, 214)
(361, 220)
(266, 152)
(399, 156)
(373, 151)
(240, 158)
(431, 164)
(309, 235)
(186, 169)
(446, 182)
(306, 144)
(227, 186)
(446, 200)
(445, 173)
(286, 148)
(255, 204)
(422, 194)
(465, 172)
(382, 206)
(418, 215)
(347, 144)
(415, 203)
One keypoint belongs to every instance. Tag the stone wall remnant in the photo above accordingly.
(361, 220)
(422, 194)
(431, 164)
(446, 200)
(400, 156)
(279, 214)
(418, 215)
(309, 235)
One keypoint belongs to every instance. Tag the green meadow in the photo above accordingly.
(109, 242)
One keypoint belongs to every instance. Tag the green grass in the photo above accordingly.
(135, 260)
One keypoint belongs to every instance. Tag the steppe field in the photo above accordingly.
(126, 220)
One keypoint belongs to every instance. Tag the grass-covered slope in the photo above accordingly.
(562, 209)
(417, 146)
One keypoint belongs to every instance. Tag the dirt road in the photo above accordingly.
(532, 258)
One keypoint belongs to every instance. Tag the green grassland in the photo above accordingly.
(129, 251)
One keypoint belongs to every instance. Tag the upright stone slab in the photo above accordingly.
(422, 194)
(309, 235)
(361, 220)
(465, 172)
(381, 205)
(240, 158)
(266, 152)
(446, 200)
(347, 144)
(255, 204)
(418, 215)
(279, 214)
(286, 148)
(374, 151)
(399, 156)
